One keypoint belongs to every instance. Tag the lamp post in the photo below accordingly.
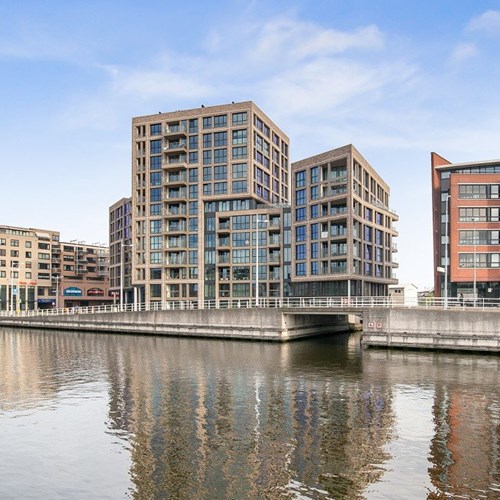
(257, 227)
(446, 252)
(122, 270)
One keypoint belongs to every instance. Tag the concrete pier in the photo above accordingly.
(250, 324)
(464, 329)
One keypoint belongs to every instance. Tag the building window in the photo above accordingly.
(207, 140)
(239, 170)
(300, 233)
(155, 209)
(155, 129)
(240, 222)
(155, 194)
(240, 186)
(193, 191)
(193, 157)
(300, 251)
(300, 179)
(300, 268)
(155, 147)
(155, 163)
(220, 172)
(207, 173)
(220, 155)
(220, 121)
(207, 189)
(300, 214)
(239, 136)
(155, 242)
(207, 122)
(220, 139)
(155, 257)
(240, 152)
(240, 118)
(300, 197)
(155, 226)
(207, 157)
(314, 175)
(193, 126)
(220, 188)
(155, 178)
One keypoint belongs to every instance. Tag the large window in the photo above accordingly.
(155, 129)
(155, 242)
(155, 226)
(300, 179)
(300, 251)
(300, 197)
(300, 269)
(239, 152)
(239, 136)
(240, 118)
(220, 139)
(155, 147)
(155, 163)
(220, 155)
(207, 157)
(220, 121)
(155, 194)
(240, 186)
(300, 214)
(155, 209)
(155, 178)
(220, 172)
(300, 233)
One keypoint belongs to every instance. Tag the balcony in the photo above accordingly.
(180, 145)
(175, 130)
(175, 161)
(176, 178)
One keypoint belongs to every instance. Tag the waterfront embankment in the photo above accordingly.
(471, 329)
(246, 324)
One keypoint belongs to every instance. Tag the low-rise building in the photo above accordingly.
(466, 228)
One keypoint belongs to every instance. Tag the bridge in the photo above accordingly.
(434, 323)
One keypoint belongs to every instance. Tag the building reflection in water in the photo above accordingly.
(312, 419)
(224, 419)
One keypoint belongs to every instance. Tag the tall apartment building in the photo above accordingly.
(210, 203)
(120, 251)
(343, 229)
(466, 227)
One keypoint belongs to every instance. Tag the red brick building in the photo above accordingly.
(466, 228)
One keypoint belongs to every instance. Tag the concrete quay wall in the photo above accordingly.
(474, 330)
(250, 324)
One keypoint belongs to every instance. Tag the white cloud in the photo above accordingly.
(489, 22)
(286, 39)
(463, 52)
(318, 86)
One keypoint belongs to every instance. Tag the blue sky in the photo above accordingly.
(396, 79)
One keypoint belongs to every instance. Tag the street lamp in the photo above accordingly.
(122, 270)
(257, 227)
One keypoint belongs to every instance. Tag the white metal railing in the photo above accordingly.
(334, 303)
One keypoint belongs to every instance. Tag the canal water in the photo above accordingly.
(87, 416)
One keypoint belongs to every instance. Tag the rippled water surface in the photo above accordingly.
(108, 416)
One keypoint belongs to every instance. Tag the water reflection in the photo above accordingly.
(214, 419)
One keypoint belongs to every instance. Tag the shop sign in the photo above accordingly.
(73, 291)
(95, 292)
